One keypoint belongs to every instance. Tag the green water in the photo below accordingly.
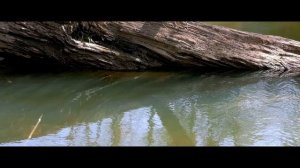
(150, 108)
(153, 108)
(284, 29)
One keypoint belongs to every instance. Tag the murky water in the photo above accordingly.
(153, 108)
(284, 29)
(150, 108)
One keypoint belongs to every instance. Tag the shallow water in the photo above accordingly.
(154, 108)
(150, 108)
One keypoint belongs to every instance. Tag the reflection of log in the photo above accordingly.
(146, 45)
(172, 125)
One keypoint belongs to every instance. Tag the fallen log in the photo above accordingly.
(147, 45)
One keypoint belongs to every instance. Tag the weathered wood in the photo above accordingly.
(147, 45)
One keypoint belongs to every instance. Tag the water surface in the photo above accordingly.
(154, 108)
(150, 108)
(285, 29)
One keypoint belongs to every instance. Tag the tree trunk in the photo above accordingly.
(146, 45)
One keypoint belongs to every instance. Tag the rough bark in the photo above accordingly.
(147, 45)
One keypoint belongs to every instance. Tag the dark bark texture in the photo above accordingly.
(147, 45)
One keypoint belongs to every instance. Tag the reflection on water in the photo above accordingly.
(284, 29)
(154, 108)
(150, 108)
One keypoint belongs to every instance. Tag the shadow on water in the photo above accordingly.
(150, 108)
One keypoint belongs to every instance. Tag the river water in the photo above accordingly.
(152, 108)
